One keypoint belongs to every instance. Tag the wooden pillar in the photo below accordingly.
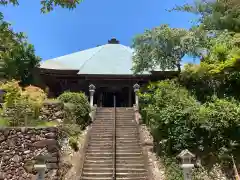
(129, 97)
(101, 99)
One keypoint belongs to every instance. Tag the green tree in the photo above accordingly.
(163, 47)
(215, 15)
(48, 5)
(17, 56)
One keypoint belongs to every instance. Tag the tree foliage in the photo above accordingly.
(17, 56)
(48, 5)
(199, 110)
(215, 15)
(163, 48)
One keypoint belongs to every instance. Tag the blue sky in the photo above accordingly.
(92, 23)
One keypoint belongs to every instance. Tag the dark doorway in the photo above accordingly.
(107, 100)
(123, 96)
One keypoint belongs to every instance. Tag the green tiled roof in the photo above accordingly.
(106, 59)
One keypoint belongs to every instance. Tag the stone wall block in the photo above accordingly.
(19, 148)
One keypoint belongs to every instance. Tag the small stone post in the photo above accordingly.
(136, 88)
(186, 163)
(91, 92)
(40, 168)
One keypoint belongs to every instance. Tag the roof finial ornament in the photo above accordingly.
(113, 41)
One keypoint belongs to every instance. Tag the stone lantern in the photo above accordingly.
(187, 164)
(91, 92)
(136, 88)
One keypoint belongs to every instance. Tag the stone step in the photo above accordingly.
(97, 158)
(130, 158)
(96, 178)
(97, 174)
(99, 162)
(130, 170)
(93, 165)
(131, 178)
(99, 149)
(124, 148)
(128, 154)
(131, 174)
(99, 154)
(98, 169)
(123, 165)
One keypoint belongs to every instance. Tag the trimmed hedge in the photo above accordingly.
(81, 106)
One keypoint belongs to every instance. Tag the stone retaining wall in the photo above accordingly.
(52, 111)
(19, 149)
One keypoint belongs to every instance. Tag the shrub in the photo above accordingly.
(219, 124)
(73, 143)
(35, 97)
(12, 92)
(170, 115)
(34, 94)
(178, 121)
(82, 107)
(21, 105)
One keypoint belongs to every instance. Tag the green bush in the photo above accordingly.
(169, 111)
(81, 106)
(178, 121)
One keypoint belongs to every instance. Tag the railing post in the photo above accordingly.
(91, 93)
(136, 88)
(114, 139)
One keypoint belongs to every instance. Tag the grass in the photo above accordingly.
(45, 124)
(33, 123)
(3, 122)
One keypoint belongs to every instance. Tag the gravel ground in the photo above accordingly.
(154, 162)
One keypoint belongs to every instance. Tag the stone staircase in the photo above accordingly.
(130, 163)
(99, 162)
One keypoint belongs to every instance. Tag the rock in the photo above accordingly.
(2, 176)
(52, 166)
(16, 159)
(27, 152)
(50, 135)
(19, 150)
(29, 166)
(6, 158)
(59, 120)
(45, 143)
(58, 114)
(2, 138)
(6, 132)
(52, 160)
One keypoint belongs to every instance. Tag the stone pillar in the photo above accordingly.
(91, 93)
(136, 88)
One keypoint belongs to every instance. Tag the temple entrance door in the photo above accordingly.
(107, 100)
(122, 97)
